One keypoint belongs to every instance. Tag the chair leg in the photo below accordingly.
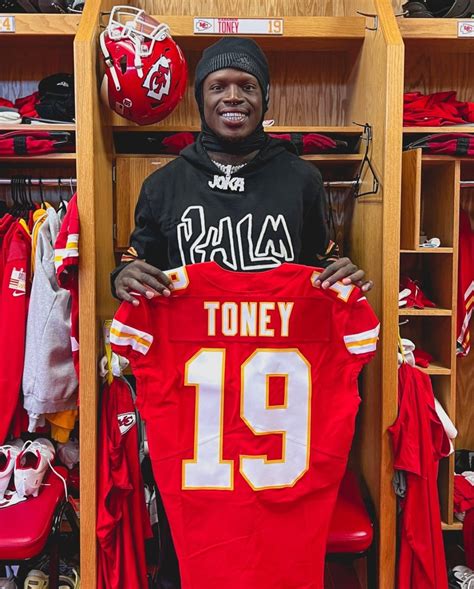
(54, 566)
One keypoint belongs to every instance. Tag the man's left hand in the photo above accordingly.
(345, 271)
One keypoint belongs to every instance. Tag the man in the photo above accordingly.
(236, 196)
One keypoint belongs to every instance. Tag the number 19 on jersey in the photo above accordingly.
(206, 371)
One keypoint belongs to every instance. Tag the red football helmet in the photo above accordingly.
(146, 72)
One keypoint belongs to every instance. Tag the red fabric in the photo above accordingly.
(7, 103)
(450, 144)
(122, 518)
(465, 284)
(312, 142)
(417, 298)
(422, 358)
(281, 136)
(316, 143)
(15, 264)
(468, 533)
(434, 110)
(66, 261)
(232, 528)
(419, 442)
(351, 529)
(19, 420)
(177, 142)
(26, 105)
(26, 526)
(463, 494)
(35, 143)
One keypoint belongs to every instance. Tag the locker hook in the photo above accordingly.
(369, 15)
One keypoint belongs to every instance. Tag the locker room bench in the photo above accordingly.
(32, 527)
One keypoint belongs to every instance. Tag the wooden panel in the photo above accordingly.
(442, 391)
(445, 488)
(130, 173)
(299, 33)
(411, 199)
(45, 24)
(436, 369)
(245, 7)
(456, 526)
(43, 127)
(429, 69)
(307, 90)
(21, 70)
(442, 388)
(94, 176)
(56, 158)
(434, 275)
(429, 251)
(123, 126)
(431, 334)
(438, 312)
(376, 97)
(439, 185)
(448, 129)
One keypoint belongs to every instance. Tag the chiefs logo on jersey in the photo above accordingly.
(158, 80)
(126, 421)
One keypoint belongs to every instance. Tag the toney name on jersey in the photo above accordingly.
(192, 319)
(248, 318)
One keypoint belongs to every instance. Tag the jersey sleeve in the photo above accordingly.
(130, 331)
(362, 329)
(66, 247)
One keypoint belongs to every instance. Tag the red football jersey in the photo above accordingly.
(15, 286)
(419, 442)
(66, 261)
(248, 386)
(465, 284)
(122, 518)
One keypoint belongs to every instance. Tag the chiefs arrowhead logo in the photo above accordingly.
(158, 80)
(203, 25)
(466, 28)
(126, 421)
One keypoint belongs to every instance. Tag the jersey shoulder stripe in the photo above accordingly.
(125, 335)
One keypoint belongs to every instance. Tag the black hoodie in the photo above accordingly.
(272, 210)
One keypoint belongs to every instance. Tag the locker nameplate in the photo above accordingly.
(238, 26)
(466, 28)
(7, 24)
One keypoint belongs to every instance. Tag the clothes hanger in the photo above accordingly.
(29, 191)
(63, 204)
(13, 194)
(40, 187)
(366, 162)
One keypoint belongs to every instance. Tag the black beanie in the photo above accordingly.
(237, 53)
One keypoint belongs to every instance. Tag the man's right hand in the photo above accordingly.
(140, 277)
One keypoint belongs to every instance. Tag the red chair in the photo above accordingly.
(32, 527)
(351, 531)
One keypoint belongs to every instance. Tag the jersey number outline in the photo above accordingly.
(206, 372)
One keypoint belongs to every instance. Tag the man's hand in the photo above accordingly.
(345, 271)
(140, 277)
